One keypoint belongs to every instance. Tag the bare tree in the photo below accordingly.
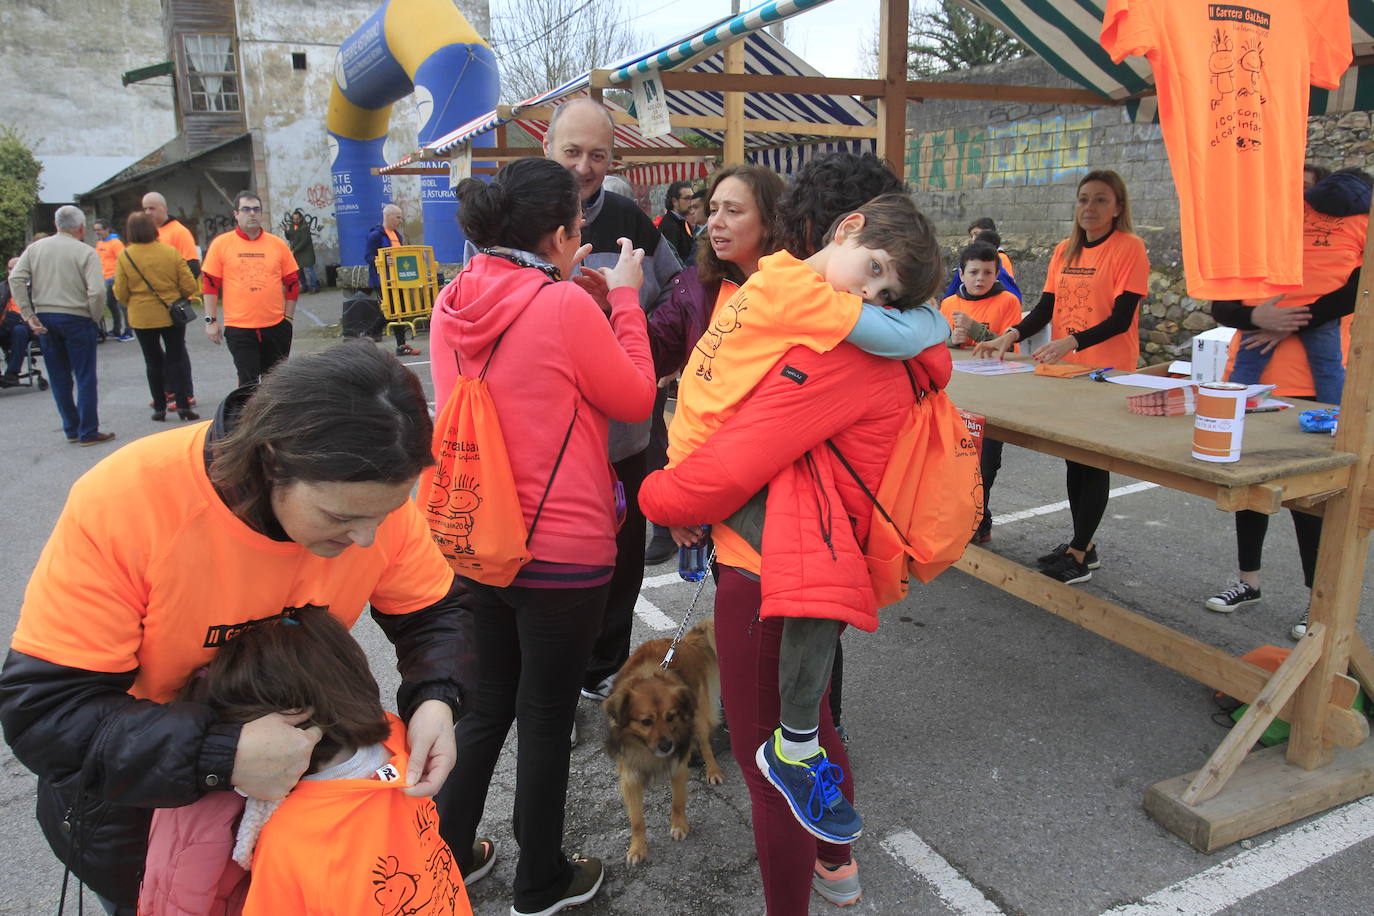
(951, 37)
(541, 44)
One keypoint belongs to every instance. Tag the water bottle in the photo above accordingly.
(692, 562)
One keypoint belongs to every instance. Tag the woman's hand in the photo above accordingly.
(1269, 317)
(1264, 341)
(1055, 350)
(432, 748)
(997, 347)
(273, 753)
(687, 537)
(593, 284)
(627, 271)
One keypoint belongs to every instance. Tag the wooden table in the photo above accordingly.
(1088, 422)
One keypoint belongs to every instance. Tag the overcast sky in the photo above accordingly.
(832, 37)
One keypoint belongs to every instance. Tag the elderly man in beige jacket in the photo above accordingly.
(60, 291)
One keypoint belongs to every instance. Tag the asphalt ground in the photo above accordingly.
(1001, 753)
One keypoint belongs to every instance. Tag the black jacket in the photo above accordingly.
(105, 759)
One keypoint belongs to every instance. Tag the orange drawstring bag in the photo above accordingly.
(468, 497)
(929, 500)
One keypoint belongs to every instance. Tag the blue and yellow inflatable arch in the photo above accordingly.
(422, 46)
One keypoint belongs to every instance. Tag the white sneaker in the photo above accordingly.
(601, 690)
(1300, 628)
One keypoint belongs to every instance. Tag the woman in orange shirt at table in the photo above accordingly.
(1096, 281)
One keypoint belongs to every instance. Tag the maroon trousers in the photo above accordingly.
(748, 652)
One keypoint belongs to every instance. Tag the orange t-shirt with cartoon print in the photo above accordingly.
(1085, 291)
(1333, 247)
(1233, 92)
(252, 274)
(356, 847)
(783, 305)
(148, 569)
(998, 312)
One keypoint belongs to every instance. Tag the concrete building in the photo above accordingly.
(220, 95)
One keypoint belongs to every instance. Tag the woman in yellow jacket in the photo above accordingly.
(149, 277)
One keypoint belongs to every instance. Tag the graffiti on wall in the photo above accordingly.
(1032, 151)
(311, 221)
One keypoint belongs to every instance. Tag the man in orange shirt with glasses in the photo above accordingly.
(254, 273)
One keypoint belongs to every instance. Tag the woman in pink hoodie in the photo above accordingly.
(557, 370)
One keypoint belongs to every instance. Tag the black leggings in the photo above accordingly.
(1251, 528)
(1087, 488)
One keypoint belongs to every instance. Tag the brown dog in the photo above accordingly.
(655, 716)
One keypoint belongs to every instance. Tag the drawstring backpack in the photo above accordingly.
(468, 497)
(929, 500)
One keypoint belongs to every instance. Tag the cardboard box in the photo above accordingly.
(1210, 353)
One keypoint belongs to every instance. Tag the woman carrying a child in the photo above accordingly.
(1297, 344)
(784, 386)
(557, 370)
(296, 495)
(1096, 280)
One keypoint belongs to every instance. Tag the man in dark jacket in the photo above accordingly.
(581, 138)
(302, 243)
(384, 235)
(677, 201)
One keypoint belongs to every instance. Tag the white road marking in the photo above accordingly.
(665, 579)
(309, 314)
(953, 888)
(423, 362)
(648, 612)
(1060, 506)
(1257, 869)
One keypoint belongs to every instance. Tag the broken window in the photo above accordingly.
(211, 75)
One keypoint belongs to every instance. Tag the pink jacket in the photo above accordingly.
(558, 353)
(190, 868)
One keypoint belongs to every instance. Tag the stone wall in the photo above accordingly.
(1020, 164)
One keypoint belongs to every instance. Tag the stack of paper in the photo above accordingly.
(1172, 402)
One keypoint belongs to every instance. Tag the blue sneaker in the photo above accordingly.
(811, 788)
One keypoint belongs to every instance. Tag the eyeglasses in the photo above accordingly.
(250, 209)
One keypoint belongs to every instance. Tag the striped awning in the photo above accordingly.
(1066, 34)
(700, 52)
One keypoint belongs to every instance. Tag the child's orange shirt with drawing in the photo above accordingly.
(998, 312)
(1333, 247)
(783, 305)
(252, 274)
(148, 570)
(1085, 291)
(1233, 92)
(356, 847)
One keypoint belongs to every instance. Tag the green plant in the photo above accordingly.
(19, 185)
(950, 37)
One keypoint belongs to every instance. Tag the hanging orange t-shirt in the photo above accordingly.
(109, 250)
(148, 569)
(1085, 291)
(998, 312)
(179, 237)
(253, 273)
(783, 305)
(356, 847)
(1233, 89)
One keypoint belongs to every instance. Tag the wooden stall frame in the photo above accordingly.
(1329, 759)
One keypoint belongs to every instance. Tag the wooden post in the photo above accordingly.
(734, 106)
(892, 54)
(1345, 542)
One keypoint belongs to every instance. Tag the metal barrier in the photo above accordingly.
(410, 283)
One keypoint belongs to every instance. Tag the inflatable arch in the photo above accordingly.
(422, 46)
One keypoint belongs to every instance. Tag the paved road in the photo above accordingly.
(1002, 753)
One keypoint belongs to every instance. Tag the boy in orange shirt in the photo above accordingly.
(981, 310)
(882, 254)
(348, 839)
